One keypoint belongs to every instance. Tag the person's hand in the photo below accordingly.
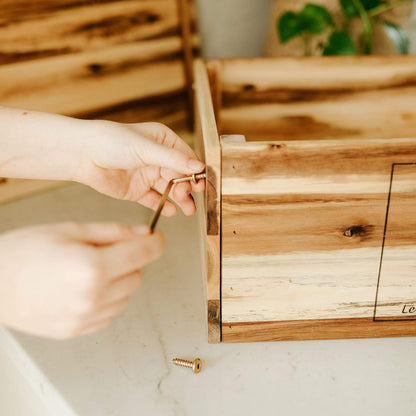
(64, 280)
(126, 161)
(136, 161)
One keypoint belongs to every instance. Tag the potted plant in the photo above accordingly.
(346, 27)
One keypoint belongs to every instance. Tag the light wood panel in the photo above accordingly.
(127, 61)
(208, 147)
(316, 329)
(318, 98)
(304, 201)
(303, 225)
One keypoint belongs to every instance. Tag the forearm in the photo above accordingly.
(38, 145)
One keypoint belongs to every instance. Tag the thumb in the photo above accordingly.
(158, 155)
(104, 233)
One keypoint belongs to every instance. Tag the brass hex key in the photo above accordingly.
(195, 177)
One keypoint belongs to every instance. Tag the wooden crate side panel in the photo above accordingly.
(348, 97)
(208, 146)
(303, 226)
(316, 329)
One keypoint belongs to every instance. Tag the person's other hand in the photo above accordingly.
(136, 161)
(64, 280)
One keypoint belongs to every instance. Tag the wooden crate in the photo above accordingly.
(311, 220)
(123, 60)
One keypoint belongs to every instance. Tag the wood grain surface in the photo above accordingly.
(316, 329)
(318, 205)
(303, 225)
(318, 98)
(78, 57)
(208, 147)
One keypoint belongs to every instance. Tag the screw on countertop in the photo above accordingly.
(196, 364)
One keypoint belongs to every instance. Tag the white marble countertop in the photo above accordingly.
(126, 369)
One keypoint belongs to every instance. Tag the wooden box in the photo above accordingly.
(311, 219)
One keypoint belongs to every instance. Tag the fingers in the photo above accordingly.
(180, 192)
(128, 256)
(102, 233)
(164, 136)
(152, 199)
(181, 195)
(109, 311)
(122, 287)
(164, 148)
(94, 327)
(103, 317)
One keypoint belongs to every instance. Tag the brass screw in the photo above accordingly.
(196, 364)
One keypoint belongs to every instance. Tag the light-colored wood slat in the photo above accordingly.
(88, 26)
(369, 114)
(64, 84)
(208, 146)
(312, 285)
(316, 329)
(318, 98)
(313, 167)
(185, 18)
(303, 225)
(251, 76)
(12, 189)
(214, 77)
(264, 225)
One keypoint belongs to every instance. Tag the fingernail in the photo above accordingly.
(195, 165)
(141, 229)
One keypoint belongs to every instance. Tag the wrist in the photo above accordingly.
(36, 145)
(92, 140)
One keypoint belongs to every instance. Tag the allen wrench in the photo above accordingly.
(195, 177)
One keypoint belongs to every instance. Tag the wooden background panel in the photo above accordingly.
(78, 58)
(303, 224)
(318, 98)
(30, 30)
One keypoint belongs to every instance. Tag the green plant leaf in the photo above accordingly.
(339, 43)
(315, 18)
(371, 4)
(349, 7)
(289, 26)
(397, 35)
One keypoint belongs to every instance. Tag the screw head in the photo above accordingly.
(197, 365)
